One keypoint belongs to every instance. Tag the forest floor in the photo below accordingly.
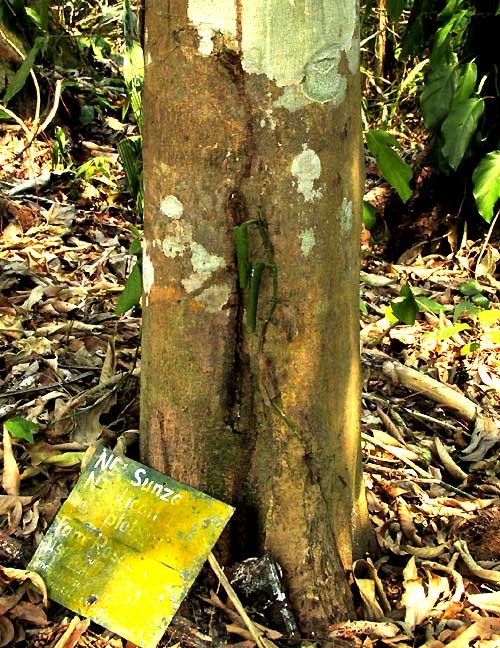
(70, 366)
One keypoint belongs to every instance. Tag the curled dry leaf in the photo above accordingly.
(405, 517)
(6, 632)
(482, 629)
(418, 600)
(453, 469)
(22, 575)
(372, 610)
(29, 612)
(479, 572)
(486, 434)
(10, 475)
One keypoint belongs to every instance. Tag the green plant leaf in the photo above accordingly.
(405, 307)
(480, 300)
(458, 129)
(395, 8)
(429, 305)
(369, 215)
(486, 181)
(446, 332)
(470, 287)
(467, 82)
(449, 10)
(438, 93)
(395, 170)
(240, 237)
(19, 78)
(132, 292)
(253, 293)
(20, 428)
(465, 307)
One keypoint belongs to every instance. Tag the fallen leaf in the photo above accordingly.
(10, 475)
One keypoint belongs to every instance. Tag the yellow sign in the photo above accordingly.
(126, 546)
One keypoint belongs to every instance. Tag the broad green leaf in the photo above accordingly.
(449, 37)
(405, 307)
(369, 215)
(20, 428)
(470, 287)
(19, 78)
(395, 8)
(389, 316)
(429, 305)
(135, 247)
(458, 129)
(444, 333)
(449, 10)
(465, 307)
(132, 292)
(488, 317)
(395, 170)
(467, 82)
(362, 306)
(437, 95)
(486, 180)
(480, 300)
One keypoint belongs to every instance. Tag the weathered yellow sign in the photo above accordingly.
(126, 546)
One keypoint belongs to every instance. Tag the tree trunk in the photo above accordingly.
(252, 121)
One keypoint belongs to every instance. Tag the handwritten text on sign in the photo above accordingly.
(126, 546)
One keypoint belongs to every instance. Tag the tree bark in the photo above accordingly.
(252, 121)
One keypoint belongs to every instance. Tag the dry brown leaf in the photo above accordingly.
(420, 601)
(489, 601)
(8, 502)
(479, 572)
(29, 612)
(381, 630)
(453, 469)
(6, 632)
(10, 476)
(22, 575)
(481, 629)
(405, 517)
(9, 601)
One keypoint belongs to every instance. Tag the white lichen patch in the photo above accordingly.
(215, 297)
(292, 99)
(203, 262)
(174, 245)
(211, 17)
(204, 265)
(172, 207)
(306, 168)
(148, 272)
(307, 241)
(345, 217)
(290, 41)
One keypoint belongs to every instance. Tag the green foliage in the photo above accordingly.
(369, 215)
(19, 79)
(131, 295)
(20, 428)
(486, 180)
(395, 170)
(455, 94)
(130, 152)
(405, 307)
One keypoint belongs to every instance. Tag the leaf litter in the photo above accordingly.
(69, 378)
